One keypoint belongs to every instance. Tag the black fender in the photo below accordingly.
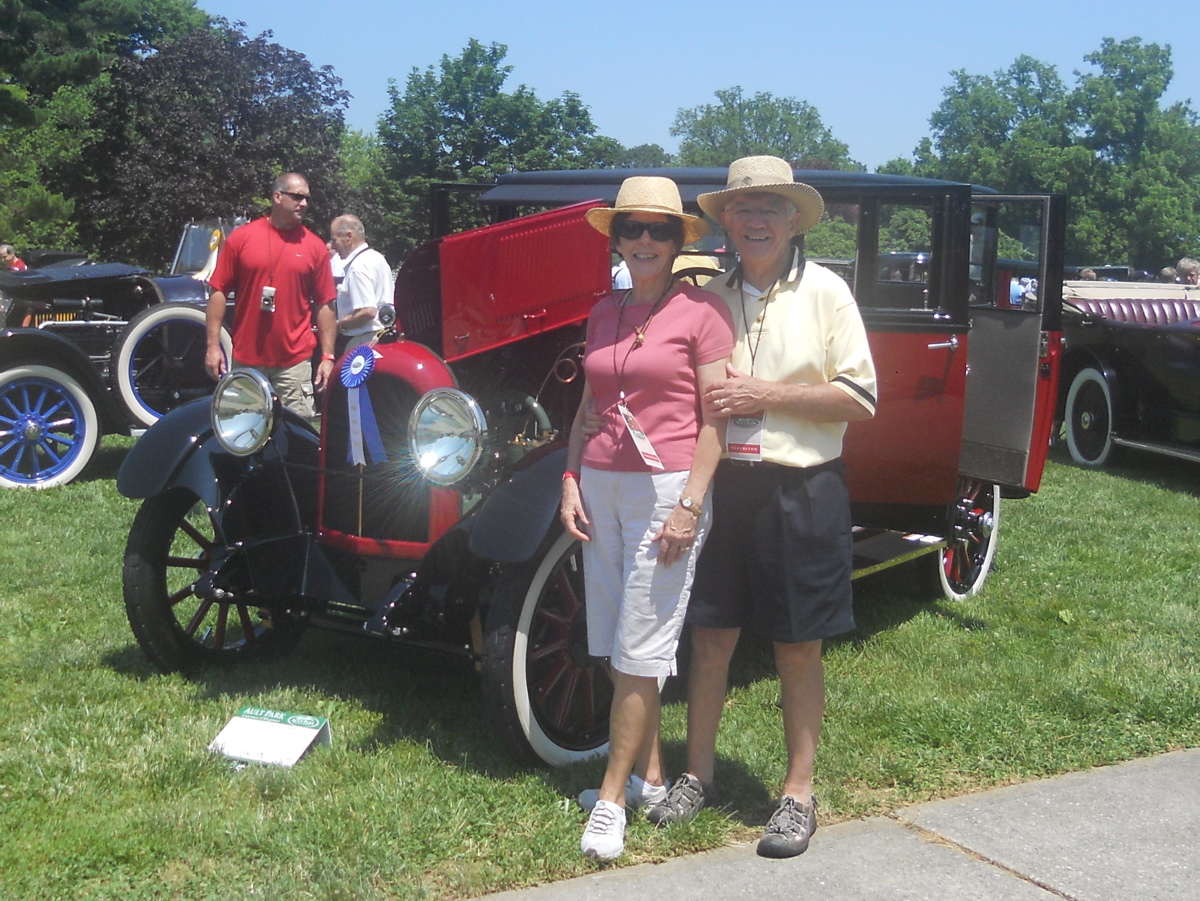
(181, 450)
(25, 346)
(511, 524)
(181, 289)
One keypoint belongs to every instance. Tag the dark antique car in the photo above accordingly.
(426, 511)
(89, 349)
(1131, 369)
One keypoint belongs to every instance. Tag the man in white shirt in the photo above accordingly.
(367, 283)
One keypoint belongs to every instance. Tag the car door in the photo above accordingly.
(909, 280)
(1015, 312)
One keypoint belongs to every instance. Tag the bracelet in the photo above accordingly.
(329, 357)
(569, 474)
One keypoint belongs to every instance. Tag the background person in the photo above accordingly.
(635, 491)
(278, 272)
(10, 260)
(1187, 271)
(779, 556)
(366, 283)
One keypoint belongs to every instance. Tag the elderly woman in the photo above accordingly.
(634, 492)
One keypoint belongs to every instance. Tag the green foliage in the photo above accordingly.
(832, 238)
(645, 156)
(165, 146)
(1130, 165)
(737, 126)
(49, 54)
(69, 42)
(457, 123)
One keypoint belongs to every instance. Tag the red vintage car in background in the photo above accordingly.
(425, 512)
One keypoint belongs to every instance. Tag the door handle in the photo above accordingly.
(951, 344)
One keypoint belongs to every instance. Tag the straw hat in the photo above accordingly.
(649, 194)
(765, 175)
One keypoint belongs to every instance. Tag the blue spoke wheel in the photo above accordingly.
(48, 427)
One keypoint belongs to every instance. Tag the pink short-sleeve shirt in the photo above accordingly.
(690, 328)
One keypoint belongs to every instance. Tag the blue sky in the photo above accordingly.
(875, 71)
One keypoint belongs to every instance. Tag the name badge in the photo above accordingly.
(743, 437)
(645, 448)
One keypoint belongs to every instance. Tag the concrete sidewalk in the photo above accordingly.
(1130, 831)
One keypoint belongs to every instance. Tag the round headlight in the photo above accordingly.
(445, 435)
(243, 411)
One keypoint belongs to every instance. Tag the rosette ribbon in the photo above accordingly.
(364, 430)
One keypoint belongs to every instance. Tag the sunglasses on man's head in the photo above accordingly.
(631, 230)
(299, 198)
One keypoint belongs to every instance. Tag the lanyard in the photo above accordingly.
(762, 321)
(639, 336)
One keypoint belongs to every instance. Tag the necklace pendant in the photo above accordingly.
(637, 341)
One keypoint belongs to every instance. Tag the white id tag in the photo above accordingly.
(743, 437)
(639, 438)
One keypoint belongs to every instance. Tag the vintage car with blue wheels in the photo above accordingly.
(90, 349)
(1131, 370)
(425, 512)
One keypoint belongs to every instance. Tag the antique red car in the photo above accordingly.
(425, 512)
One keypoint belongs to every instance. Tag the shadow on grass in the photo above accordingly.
(436, 701)
(1181, 476)
(107, 460)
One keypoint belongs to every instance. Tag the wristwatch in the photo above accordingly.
(692, 507)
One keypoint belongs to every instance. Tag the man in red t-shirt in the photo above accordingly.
(10, 260)
(277, 271)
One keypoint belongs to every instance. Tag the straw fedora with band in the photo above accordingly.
(765, 175)
(649, 194)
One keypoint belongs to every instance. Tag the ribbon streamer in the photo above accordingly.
(356, 369)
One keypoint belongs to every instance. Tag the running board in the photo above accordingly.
(880, 549)
(1167, 450)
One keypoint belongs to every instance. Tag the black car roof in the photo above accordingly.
(577, 185)
(30, 279)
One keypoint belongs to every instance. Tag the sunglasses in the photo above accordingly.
(631, 230)
(299, 198)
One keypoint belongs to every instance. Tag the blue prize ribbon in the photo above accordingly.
(356, 369)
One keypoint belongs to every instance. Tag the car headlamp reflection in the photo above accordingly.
(243, 411)
(445, 435)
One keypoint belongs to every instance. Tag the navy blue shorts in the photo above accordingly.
(779, 556)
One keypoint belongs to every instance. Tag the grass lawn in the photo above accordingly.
(1082, 650)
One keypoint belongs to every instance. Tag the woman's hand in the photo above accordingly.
(571, 510)
(676, 536)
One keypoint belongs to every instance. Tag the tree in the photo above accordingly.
(456, 123)
(165, 146)
(645, 156)
(69, 42)
(1130, 166)
(49, 51)
(737, 126)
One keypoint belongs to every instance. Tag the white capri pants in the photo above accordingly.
(635, 606)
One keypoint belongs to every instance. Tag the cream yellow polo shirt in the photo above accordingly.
(806, 330)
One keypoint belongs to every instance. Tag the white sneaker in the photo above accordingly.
(638, 793)
(604, 837)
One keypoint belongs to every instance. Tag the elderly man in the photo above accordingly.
(366, 283)
(9, 259)
(277, 271)
(779, 556)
